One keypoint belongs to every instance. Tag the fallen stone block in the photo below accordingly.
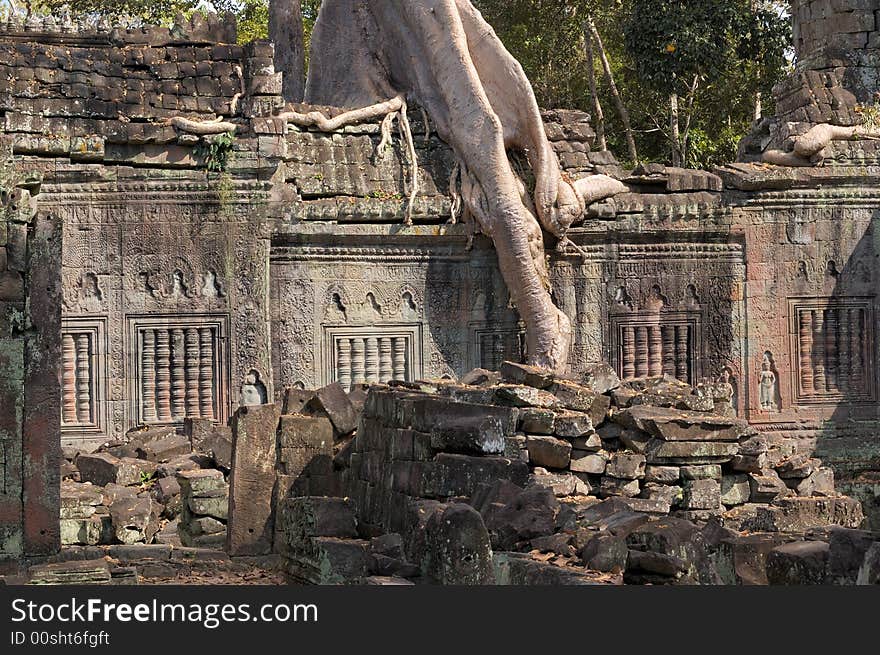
(335, 404)
(819, 483)
(601, 378)
(102, 469)
(523, 570)
(162, 450)
(198, 431)
(605, 552)
(656, 506)
(629, 466)
(191, 462)
(659, 563)
(78, 501)
(523, 374)
(701, 494)
(582, 399)
(319, 517)
(679, 425)
(801, 514)
(530, 514)
(537, 421)
(480, 377)
(798, 563)
(847, 551)
(210, 503)
(766, 486)
(571, 425)
(83, 572)
(610, 486)
(749, 463)
(91, 531)
(458, 475)
(200, 481)
(662, 474)
(735, 489)
(690, 452)
(522, 396)
(586, 462)
(135, 520)
(548, 452)
(312, 432)
(561, 483)
(219, 447)
(705, 472)
(458, 550)
(670, 495)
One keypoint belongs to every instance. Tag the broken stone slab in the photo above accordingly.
(572, 425)
(690, 452)
(592, 442)
(112, 492)
(629, 466)
(163, 450)
(200, 482)
(252, 480)
(754, 445)
(480, 377)
(819, 483)
(611, 486)
(742, 559)
(139, 437)
(537, 421)
(102, 469)
(299, 431)
(296, 400)
(79, 500)
(191, 462)
(205, 525)
(335, 404)
(458, 550)
(210, 503)
(869, 572)
(522, 396)
(582, 399)
(605, 552)
(198, 430)
(797, 467)
(166, 491)
(848, 549)
(701, 494)
(135, 520)
(91, 531)
(312, 516)
(586, 462)
(704, 472)
(219, 447)
(655, 506)
(669, 494)
(548, 452)
(735, 489)
(798, 563)
(82, 572)
(680, 425)
(749, 463)
(601, 378)
(766, 486)
(801, 514)
(560, 483)
(531, 513)
(662, 474)
(659, 563)
(523, 374)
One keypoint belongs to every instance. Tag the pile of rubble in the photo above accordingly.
(523, 477)
(156, 487)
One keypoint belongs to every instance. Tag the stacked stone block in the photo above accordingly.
(204, 508)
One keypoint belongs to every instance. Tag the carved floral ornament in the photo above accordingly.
(366, 304)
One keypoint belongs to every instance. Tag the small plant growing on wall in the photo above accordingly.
(216, 152)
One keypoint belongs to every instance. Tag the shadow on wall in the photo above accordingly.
(837, 346)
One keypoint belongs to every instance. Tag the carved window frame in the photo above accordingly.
(693, 319)
(96, 329)
(412, 332)
(813, 303)
(218, 322)
(479, 331)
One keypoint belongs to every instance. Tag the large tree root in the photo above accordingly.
(808, 148)
(443, 54)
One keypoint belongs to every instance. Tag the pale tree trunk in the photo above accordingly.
(759, 106)
(598, 114)
(286, 32)
(674, 130)
(615, 94)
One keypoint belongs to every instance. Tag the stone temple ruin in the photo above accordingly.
(167, 302)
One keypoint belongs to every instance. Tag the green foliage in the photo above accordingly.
(152, 12)
(216, 152)
(252, 17)
(673, 41)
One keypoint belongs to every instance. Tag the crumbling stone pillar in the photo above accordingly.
(30, 355)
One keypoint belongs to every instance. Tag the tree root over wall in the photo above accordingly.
(442, 54)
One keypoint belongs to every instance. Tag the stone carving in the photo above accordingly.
(253, 391)
(767, 384)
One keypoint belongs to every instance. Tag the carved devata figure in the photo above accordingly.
(373, 56)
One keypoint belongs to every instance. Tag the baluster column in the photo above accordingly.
(83, 379)
(148, 376)
(68, 376)
(206, 373)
